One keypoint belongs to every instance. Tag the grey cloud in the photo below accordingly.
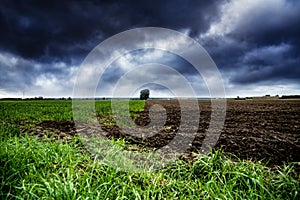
(273, 63)
(18, 74)
(62, 29)
(50, 38)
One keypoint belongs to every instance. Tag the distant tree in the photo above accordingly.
(144, 95)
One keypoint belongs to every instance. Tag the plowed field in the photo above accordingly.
(265, 130)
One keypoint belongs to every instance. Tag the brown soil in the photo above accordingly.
(265, 130)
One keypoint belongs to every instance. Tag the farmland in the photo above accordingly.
(256, 156)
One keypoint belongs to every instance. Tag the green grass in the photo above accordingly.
(31, 168)
(35, 110)
(53, 109)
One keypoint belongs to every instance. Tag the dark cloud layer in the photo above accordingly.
(43, 42)
(62, 30)
(262, 45)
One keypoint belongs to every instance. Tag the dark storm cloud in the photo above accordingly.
(46, 30)
(252, 42)
(260, 45)
(274, 63)
(62, 30)
(47, 33)
(268, 26)
(178, 15)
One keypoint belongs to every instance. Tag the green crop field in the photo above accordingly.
(34, 168)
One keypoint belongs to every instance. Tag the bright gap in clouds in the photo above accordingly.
(136, 60)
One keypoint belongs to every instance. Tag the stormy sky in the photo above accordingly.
(255, 45)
